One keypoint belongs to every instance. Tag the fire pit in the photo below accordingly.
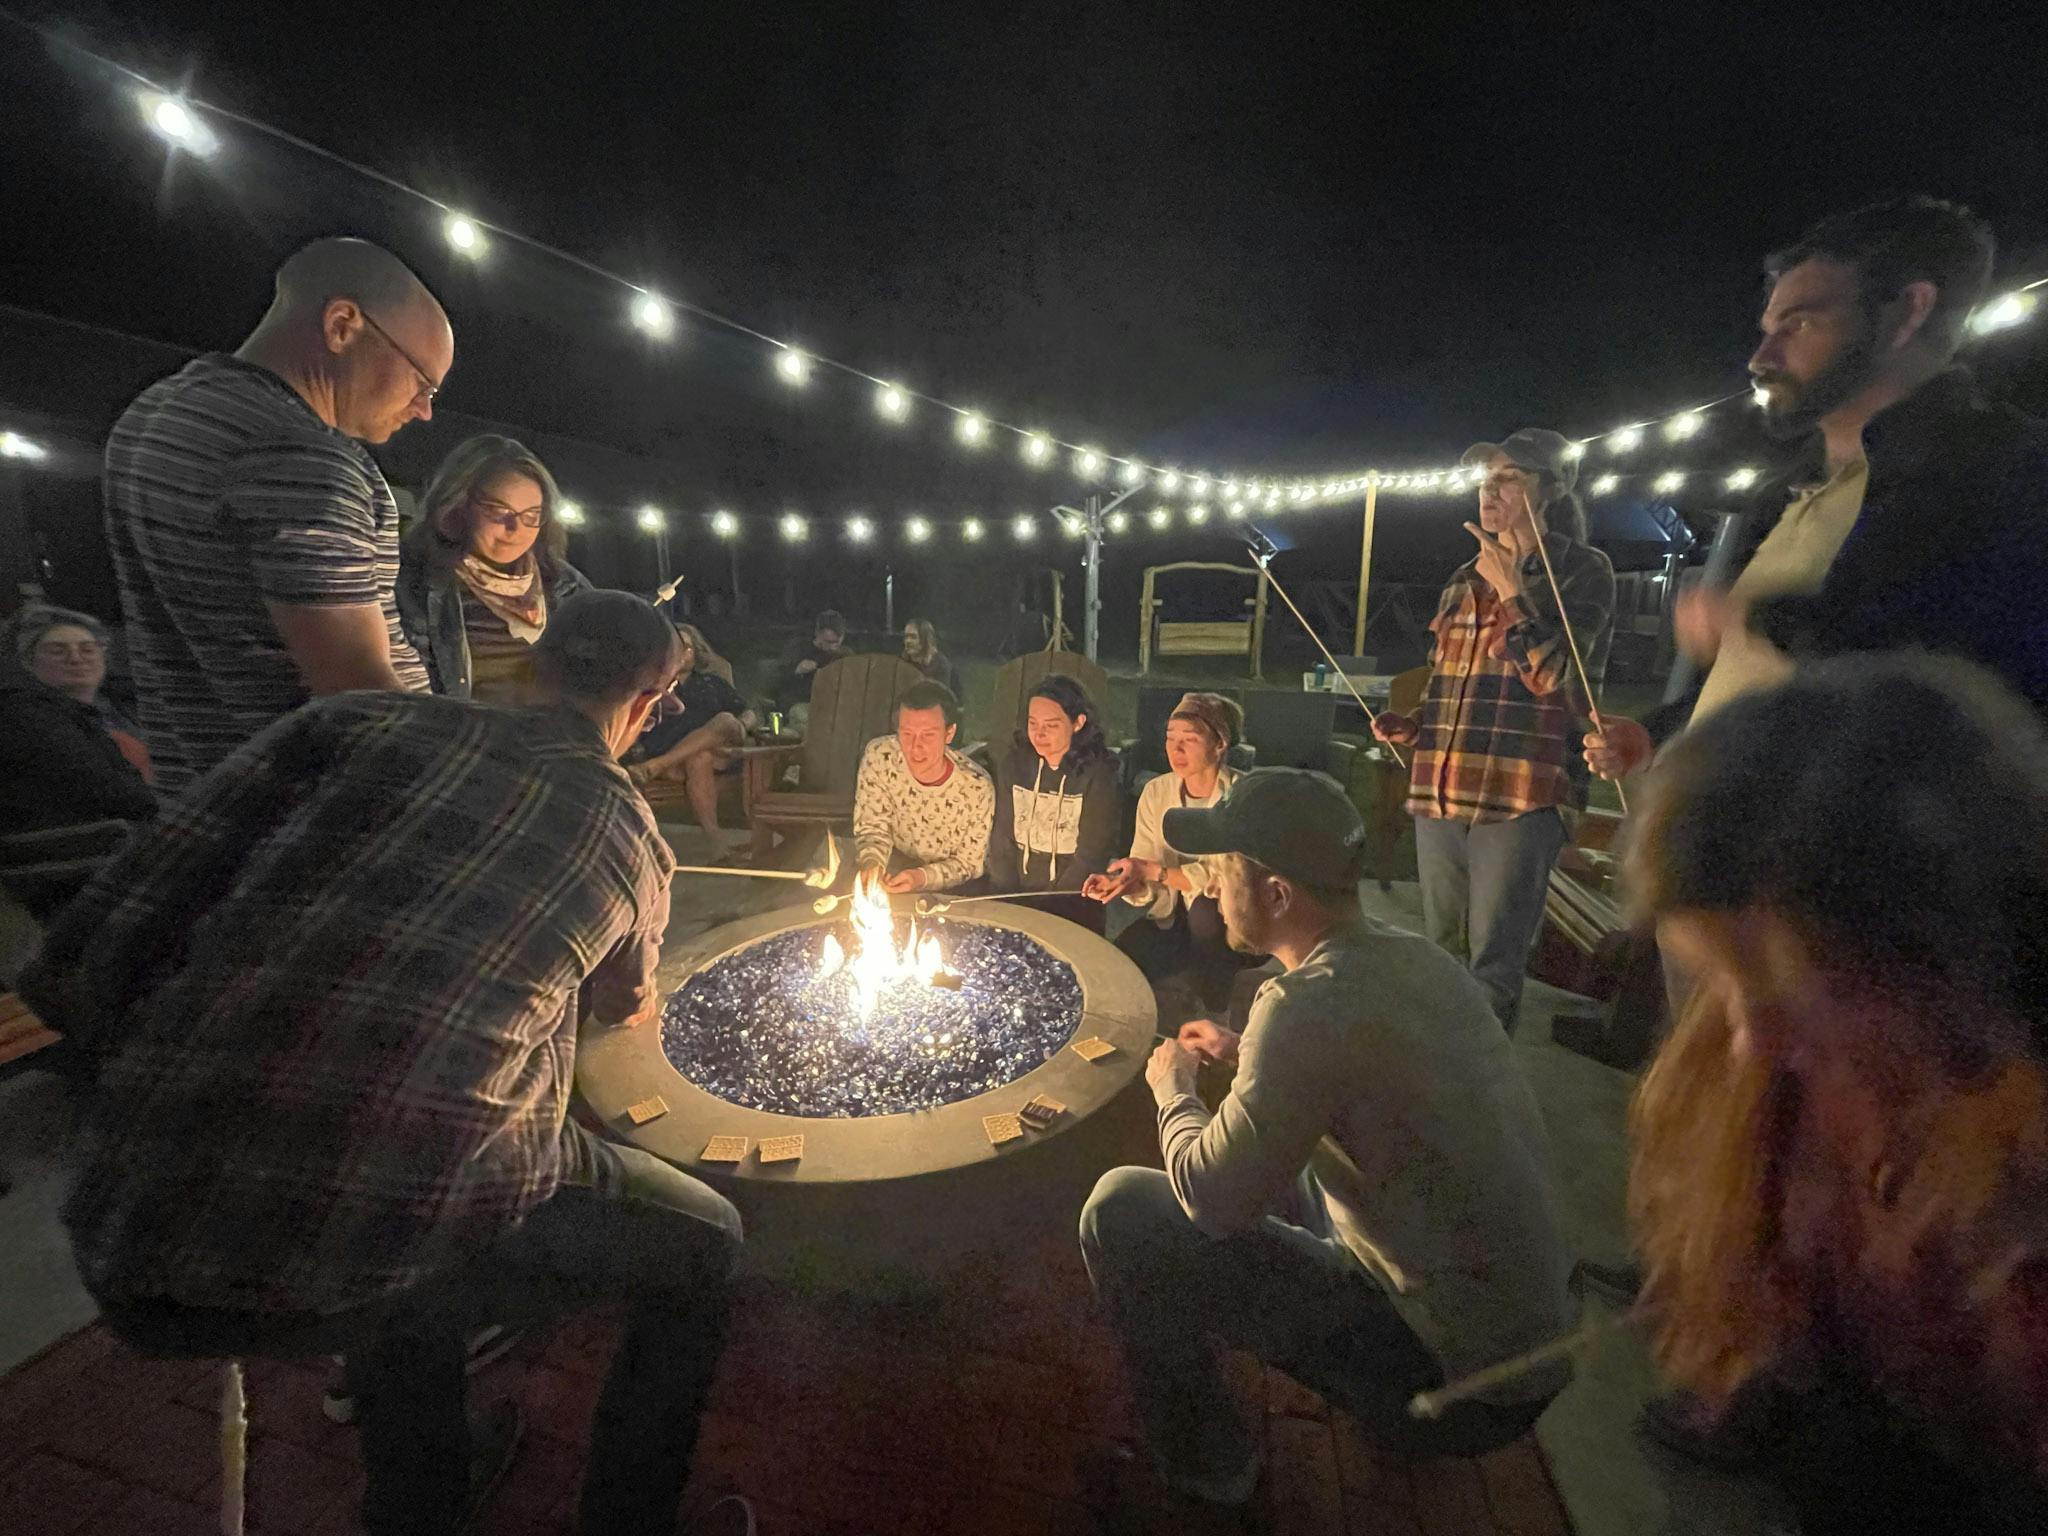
(882, 1040)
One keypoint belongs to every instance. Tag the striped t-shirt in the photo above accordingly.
(223, 492)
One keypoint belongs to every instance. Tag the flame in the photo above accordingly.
(877, 961)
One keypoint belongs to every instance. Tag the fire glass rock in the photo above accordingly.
(759, 1028)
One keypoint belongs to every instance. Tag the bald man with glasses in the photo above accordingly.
(254, 538)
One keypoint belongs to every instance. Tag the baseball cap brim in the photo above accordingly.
(1198, 830)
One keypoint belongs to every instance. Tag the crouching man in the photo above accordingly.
(1367, 1210)
(328, 1007)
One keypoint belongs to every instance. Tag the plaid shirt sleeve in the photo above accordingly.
(1535, 640)
(130, 919)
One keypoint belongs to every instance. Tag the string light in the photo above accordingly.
(1116, 522)
(171, 120)
(569, 514)
(2002, 313)
(1605, 484)
(1624, 439)
(1741, 480)
(794, 366)
(725, 525)
(1198, 514)
(464, 235)
(1037, 448)
(891, 401)
(1234, 510)
(1199, 486)
(1025, 528)
(859, 529)
(794, 529)
(971, 428)
(1074, 526)
(14, 446)
(651, 519)
(652, 315)
(1685, 424)
(1132, 473)
(917, 530)
(1668, 483)
(1574, 450)
(971, 530)
(1760, 396)
(1159, 517)
(1169, 482)
(1088, 463)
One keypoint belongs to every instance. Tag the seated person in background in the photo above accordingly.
(694, 741)
(329, 1003)
(792, 690)
(1378, 1102)
(921, 811)
(479, 571)
(66, 755)
(1059, 806)
(921, 650)
(1840, 1179)
(1185, 933)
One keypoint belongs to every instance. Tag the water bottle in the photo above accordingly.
(1322, 678)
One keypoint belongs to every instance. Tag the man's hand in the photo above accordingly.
(1171, 1069)
(1210, 1040)
(902, 884)
(1621, 749)
(1703, 619)
(806, 667)
(1399, 730)
(1498, 562)
(870, 881)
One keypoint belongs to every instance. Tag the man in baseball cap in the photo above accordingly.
(1376, 1099)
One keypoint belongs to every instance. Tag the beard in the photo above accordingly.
(1845, 376)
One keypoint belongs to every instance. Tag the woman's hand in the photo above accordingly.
(1498, 562)
(1619, 750)
(1396, 730)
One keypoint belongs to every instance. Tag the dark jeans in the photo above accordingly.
(1483, 885)
(1193, 944)
(643, 1232)
(1288, 1291)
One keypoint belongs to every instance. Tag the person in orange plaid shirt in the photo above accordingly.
(1498, 737)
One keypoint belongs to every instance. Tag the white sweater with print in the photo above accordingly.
(940, 828)
(1148, 841)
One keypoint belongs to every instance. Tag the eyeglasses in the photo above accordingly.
(506, 517)
(428, 388)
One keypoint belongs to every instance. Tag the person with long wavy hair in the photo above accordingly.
(1840, 1177)
(481, 569)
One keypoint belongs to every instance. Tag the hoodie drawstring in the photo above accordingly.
(1052, 853)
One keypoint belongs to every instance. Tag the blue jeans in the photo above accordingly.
(1483, 885)
(1287, 1290)
(642, 1231)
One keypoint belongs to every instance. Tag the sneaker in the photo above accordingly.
(487, 1346)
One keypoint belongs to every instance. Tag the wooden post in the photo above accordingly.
(1259, 628)
(1372, 501)
(1145, 626)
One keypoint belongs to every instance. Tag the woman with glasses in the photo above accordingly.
(482, 568)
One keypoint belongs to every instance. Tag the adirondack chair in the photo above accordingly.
(670, 798)
(1011, 703)
(852, 702)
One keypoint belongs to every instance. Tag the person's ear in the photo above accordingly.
(951, 732)
(1079, 722)
(1909, 311)
(341, 322)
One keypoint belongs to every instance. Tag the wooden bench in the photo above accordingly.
(1588, 946)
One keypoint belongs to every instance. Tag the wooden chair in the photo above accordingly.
(1011, 701)
(1387, 822)
(1587, 946)
(852, 702)
(671, 797)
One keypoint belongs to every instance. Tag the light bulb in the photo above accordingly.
(570, 513)
(916, 529)
(859, 529)
(971, 530)
(2002, 313)
(1741, 480)
(725, 525)
(1198, 513)
(794, 365)
(1685, 424)
(1668, 482)
(652, 314)
(1037, 448)
(1169, 481)
(651, 519)
(463, 234)
(1116, 522)
(1574, 450)
(1025, 528)
(1088, 463)
(1199, 486)
(891, 401)
(794, 529)
(971, 428)
(1234, 510)
(1132, 472)
(1624, 440)
(177, 124)
(14, 446)
(1605, 484)
(1159, 517)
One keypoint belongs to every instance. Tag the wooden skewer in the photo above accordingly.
(1371, 715)
(1572, 640)
(755, 874)
(938, 905)
(1431, 1405)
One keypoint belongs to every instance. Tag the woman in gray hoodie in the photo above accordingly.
(1059, 807)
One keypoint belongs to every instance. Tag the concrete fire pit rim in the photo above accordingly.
(618, 1068)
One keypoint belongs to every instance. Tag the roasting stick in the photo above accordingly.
(1431, 1405)
(1572, 640)
(818, 878)
(1371, 715)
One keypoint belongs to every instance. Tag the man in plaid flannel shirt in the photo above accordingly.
(328, 1005)
(1497, 739)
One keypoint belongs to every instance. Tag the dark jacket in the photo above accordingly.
(430, 599)
(1071, 821)
(1950, 551)
(59, 766)
(940, 670)
(793, 687)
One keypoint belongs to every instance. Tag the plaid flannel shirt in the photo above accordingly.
(1502, 718)
(332, 999)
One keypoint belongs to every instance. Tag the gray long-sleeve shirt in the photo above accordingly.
(1378, 1065)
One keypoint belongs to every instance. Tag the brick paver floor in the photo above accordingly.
(968, 1410)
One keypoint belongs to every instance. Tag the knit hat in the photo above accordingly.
(1215, 713)
(38, 619)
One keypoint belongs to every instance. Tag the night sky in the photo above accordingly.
(1242, 238)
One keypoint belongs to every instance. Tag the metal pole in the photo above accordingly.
(889, 602)
(1091, 601)
(1372, 501)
